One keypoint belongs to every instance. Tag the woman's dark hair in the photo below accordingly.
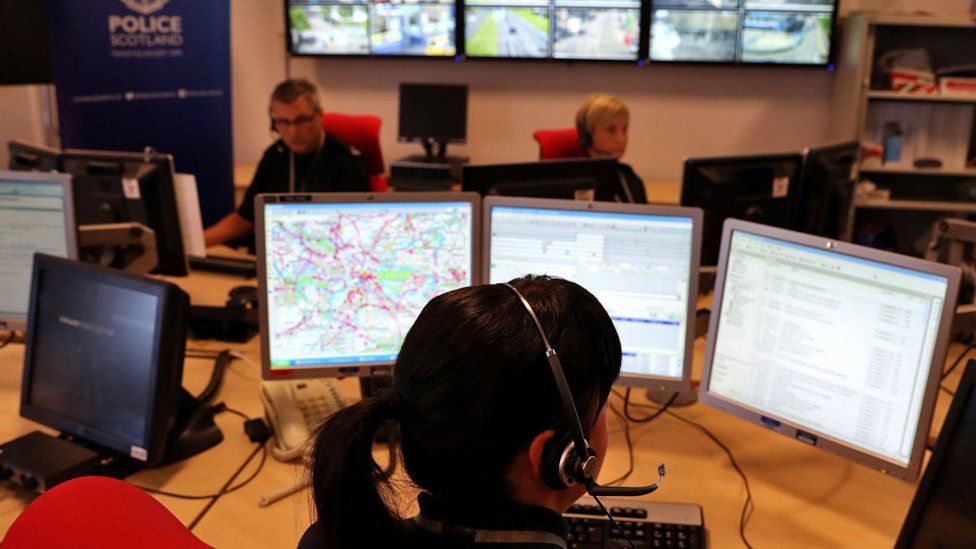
(471, 388)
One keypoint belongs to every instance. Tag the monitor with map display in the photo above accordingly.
(343, 276)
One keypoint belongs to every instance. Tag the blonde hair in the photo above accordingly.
(600, 109)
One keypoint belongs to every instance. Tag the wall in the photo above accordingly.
(21, 117)
(677, 111)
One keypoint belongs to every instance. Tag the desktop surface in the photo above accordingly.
(798, 491)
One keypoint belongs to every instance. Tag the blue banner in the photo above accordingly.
(136, 73)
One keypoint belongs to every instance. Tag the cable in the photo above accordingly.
(613, 522)
(224, 489)
(748, 507)
(630, 446)
(958, 360)
(651, 417)
(947, 390)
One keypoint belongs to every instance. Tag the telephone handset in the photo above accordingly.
(295, 408)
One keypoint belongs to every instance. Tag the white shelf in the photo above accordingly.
(908, 170)
(916, 205)
(897, 96)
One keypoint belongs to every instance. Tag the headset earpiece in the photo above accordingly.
(585, 139)
(561, 463)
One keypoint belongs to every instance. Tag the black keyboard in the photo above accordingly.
(242, 267)
(676, 525)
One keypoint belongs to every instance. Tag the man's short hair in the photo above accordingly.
(598, 110)
(292, 89)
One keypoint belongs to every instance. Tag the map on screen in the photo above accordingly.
(346, 281)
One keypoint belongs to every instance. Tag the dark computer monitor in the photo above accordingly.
(33, 158)
(754, 188)
(583, 178)
(433, 114)
(941, 514)
(104, 356)
(825, 189)
(122, 186)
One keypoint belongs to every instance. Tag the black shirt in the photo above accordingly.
(634, 184)
(334, 168)
(448, 523)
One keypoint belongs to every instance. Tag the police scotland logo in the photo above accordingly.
(145, 7)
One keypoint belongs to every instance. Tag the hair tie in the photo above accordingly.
(392, 405)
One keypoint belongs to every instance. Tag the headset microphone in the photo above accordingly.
(564, 463)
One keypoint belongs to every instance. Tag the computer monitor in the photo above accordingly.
(33, 158)
(123, 186)
(104, 356)
(575, 178)
(941, 514)
(433, 114)
(836, 345)
(343, 276)
(825, 189)
(36, 215)
(371, 27)
(640, 261)
(756, 188)
(553, 29)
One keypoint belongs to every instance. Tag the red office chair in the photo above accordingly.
(362, 132)
(562, 143)
(97, 512)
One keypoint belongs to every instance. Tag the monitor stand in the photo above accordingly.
(684, 398)
(193, 432)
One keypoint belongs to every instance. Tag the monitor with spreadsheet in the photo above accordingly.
(343, 276)
(836, 345)
(640, 261)
(36, 215)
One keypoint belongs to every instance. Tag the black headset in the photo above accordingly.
(584, 137)
(567, 458)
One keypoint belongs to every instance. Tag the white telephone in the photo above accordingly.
(295, 408)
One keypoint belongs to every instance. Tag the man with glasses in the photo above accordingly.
(303, 159)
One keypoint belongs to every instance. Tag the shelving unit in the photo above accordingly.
(935, 126)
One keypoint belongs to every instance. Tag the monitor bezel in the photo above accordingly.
(572, 167)
(807, 171)
(358, 369)
(665, 385)
(70, 229)
(965, 393)
(791, 430)
(166, 371)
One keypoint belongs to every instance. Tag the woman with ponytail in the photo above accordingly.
(476, 403)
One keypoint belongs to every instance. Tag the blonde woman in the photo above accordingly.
(602, 123)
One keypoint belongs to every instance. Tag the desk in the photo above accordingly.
(802, 496)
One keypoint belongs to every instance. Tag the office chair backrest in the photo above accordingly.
(562, 143)
(363, 133)
(96, 512)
